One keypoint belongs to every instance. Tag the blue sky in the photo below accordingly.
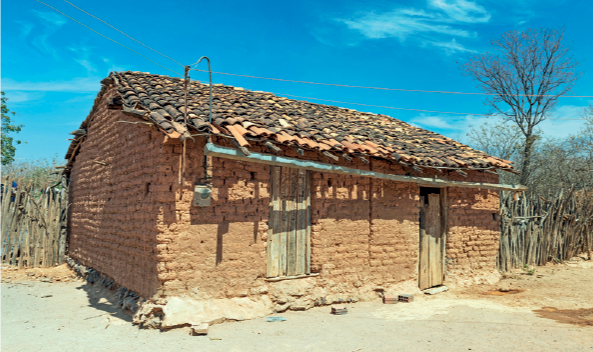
(52, 66)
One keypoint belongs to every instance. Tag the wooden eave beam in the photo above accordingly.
(230, 153)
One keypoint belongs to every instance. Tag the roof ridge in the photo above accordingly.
(257, 91)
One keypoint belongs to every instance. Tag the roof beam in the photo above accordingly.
(230, 153)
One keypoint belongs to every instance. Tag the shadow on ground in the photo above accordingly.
(105, 300)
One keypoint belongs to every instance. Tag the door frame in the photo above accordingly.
(289, 226)
(444, 205)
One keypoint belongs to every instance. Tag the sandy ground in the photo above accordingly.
(548, 314)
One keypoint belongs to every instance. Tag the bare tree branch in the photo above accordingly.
(527, 72)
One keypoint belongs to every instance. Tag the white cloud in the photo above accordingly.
(20, 97)
(87, 64)
(84, 55)
(51, 23)
(51, 18)
(461, 10)
(440, 122)
(112, 66)
(566, 120)
(451, 47)
(80, 85)
(26, 28)
(441, 18)
(400, 24)
(87, 98)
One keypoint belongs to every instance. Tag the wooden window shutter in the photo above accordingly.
(289, 232)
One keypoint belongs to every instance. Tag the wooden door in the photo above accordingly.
(430, 271)
(289, 229)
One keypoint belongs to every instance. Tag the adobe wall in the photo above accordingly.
(473, 232)
(131, 220)
(113, 214)
(365, 231)
(364, 237)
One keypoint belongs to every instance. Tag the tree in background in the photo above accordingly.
(525, 75)
(41, 171)
(567, 162)
(8, 149)
(502, 139)
(555, 162)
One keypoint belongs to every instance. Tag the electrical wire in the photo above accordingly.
(295, 81)
(394, 108)
(315, 83)
(381, 106)
(106, 37)
(137, 41)
(285, 80)
(391, 89)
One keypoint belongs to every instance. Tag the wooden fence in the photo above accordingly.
(33, 223)
(536, 230)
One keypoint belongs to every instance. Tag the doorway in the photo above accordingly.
(289, 228)
(432, 237)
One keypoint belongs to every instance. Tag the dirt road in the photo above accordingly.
(73, 316)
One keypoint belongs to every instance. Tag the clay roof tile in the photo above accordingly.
(288, 121)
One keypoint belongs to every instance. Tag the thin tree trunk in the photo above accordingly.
(526, 162)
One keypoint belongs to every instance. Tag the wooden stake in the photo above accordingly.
(5, 215)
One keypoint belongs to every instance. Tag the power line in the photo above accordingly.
(387, 107)
(137, 41)
(393, 108)
(392, 89)
(278, 79)
(106, 37)
(305, 82)
(381, 106)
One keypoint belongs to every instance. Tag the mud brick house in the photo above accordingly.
(277, 204)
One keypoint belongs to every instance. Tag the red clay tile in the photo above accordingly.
(371, 144)
(240, 129)
(270, 117)
(242, 141)
(283, 137)
(351, 146)
(215, 130)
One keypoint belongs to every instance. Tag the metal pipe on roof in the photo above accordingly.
(223, 152)
(207, 162)
(186, 87)
(210, 78)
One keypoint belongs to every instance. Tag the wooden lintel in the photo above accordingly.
(230, 153)
(272, 279)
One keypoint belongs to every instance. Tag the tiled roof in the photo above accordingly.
(245, 115)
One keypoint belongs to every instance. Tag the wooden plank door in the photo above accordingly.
(289, 225)
(430, 271)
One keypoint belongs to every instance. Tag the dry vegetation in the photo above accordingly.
(557, 163)
(58, 273)
(40, 171)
